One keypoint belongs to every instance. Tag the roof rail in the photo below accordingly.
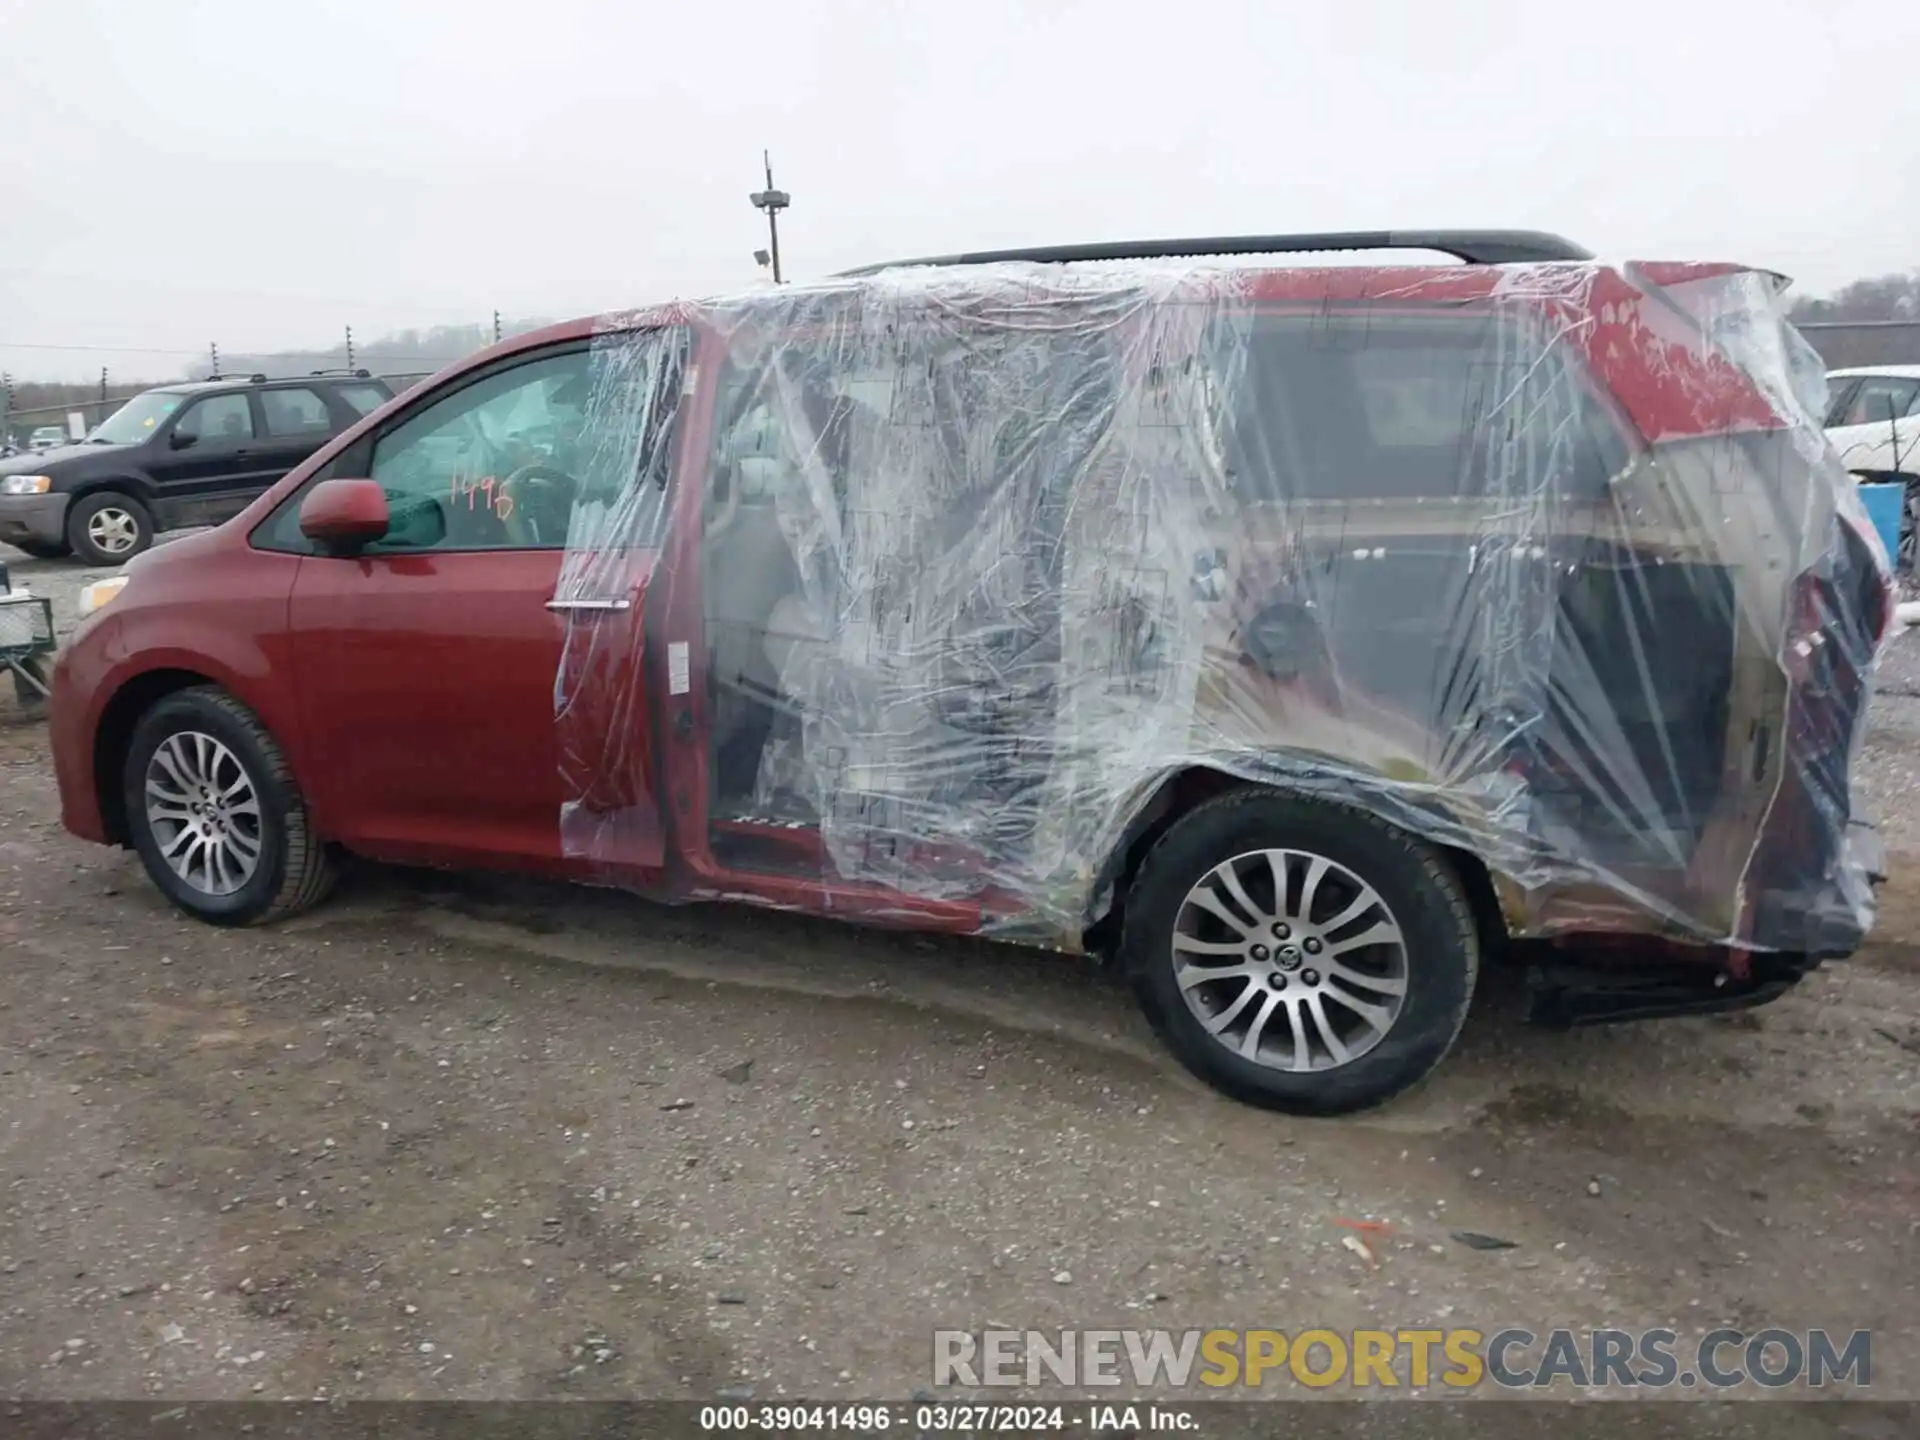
(1476, 247)
(260, 377)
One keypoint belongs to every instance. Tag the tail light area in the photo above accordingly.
(1840, 613)
(1807, 896)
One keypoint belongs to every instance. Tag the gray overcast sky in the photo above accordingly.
(263, 172)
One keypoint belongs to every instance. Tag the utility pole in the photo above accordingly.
(349, 347)
(773, 202)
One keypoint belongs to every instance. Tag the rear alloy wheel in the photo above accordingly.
(1300, 954)
(215, 815)
(107, 528)
(1315, 981)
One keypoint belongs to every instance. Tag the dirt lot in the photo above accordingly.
(448, 1137)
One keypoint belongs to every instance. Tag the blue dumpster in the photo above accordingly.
(1884, 505)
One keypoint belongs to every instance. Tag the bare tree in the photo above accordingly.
(1881, 297)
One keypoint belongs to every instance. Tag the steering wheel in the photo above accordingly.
(540, 502)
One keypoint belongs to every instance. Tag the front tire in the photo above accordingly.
(215, 814)
(108, 528)
(1300, 954)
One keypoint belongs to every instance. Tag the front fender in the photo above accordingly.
(127, 482)
(230, 631)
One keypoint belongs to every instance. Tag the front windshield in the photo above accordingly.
(133, 422)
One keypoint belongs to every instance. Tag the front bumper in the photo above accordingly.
(73, 722)
(33, 517)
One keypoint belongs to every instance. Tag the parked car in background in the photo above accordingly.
(1873, 419)
(47, 437)
(1293, 637)
(175, 456)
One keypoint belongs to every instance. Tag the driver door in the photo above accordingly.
(428, 660)
(211, 463)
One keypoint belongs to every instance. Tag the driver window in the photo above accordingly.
(491, 466)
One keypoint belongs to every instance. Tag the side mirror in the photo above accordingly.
(181, 439)
(344, 516)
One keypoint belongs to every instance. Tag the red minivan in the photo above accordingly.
(1294, 635)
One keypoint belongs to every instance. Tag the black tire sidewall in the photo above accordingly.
(189, 711)
(84, 509)
(1442, 951)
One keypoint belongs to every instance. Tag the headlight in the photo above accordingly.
(25, 484)
(95, 596)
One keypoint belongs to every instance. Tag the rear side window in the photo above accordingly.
(295, 412)
(363, 398)
(1380, 407)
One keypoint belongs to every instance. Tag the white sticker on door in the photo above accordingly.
(678, 682)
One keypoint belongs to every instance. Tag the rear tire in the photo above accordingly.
(108, 527)
(1345, 966)
(215, 814)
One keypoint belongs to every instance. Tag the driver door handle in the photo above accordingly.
(589, 604)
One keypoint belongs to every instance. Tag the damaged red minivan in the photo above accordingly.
(1295, 636)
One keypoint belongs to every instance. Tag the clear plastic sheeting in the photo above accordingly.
(945, 584)
(618, 519)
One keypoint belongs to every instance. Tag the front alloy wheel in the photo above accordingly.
(215, 814)
(108, 527)
(113, 531)
(204, 811)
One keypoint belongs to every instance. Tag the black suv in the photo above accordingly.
(177, 455)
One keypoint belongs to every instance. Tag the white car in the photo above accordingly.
(1873, 419)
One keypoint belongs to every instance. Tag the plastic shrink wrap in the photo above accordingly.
(951, 579)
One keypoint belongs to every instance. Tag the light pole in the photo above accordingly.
(773, 202)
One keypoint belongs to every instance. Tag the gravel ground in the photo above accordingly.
(450, 1138)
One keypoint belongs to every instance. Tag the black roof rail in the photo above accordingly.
(260, 377)
(1475, 247)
